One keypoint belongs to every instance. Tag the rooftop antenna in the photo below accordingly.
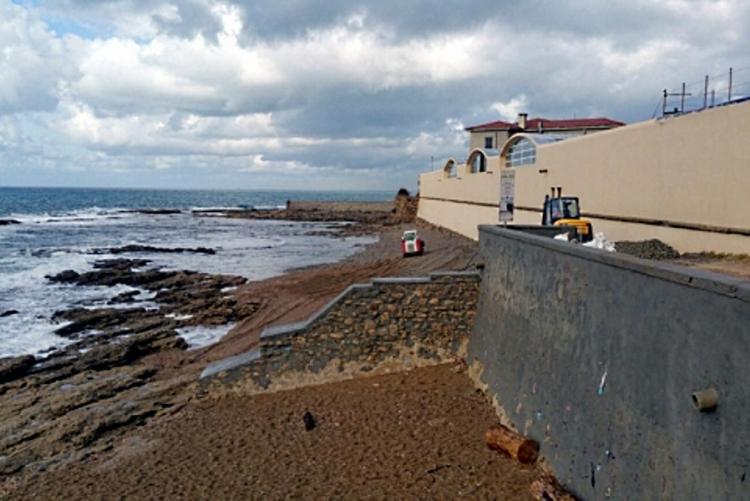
(667, 95)
(705, 93)
(731, 71)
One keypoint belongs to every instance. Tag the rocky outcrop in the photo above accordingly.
(126, 249)
(404, 208)
(78, 399)
(6, 222)
(14, 367)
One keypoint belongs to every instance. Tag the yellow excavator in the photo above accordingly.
(566, 211)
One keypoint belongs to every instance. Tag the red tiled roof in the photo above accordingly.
(532, 124)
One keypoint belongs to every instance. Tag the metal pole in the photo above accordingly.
(664, 105)
(713, 98)
(682, 99)
(730, 84)
(705, 93)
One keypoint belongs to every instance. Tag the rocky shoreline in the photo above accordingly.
(125, 363)
(79, 398)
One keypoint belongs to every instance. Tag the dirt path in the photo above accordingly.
(412, 435)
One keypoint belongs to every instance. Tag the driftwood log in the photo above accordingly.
(520, 448)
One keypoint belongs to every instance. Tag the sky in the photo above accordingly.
(335, 95)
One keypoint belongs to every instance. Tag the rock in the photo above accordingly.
(158, 211)
(15, 367)
(125, 297)
(309, 421)
(84, 319)
(121, 263)
(148, 248)
(67, 276)
(8, 313)
(6, 222)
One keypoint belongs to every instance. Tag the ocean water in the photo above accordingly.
(61, 227)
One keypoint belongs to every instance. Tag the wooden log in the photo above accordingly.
(522, 449)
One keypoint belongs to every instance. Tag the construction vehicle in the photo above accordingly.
(411, 244)
(566, 211)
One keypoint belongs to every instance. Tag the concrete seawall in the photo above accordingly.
(596, 355)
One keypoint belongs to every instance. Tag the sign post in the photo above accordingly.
(507, 195)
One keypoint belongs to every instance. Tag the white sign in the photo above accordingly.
(507, 194)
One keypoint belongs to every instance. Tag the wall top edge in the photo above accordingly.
(701, 279)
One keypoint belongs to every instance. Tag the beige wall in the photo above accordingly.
(692, 169)
(461, 218)
(476, 139)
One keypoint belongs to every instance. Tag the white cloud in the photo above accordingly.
(509, 110)
(206, 86)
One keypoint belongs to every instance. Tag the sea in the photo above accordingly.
(62, 227)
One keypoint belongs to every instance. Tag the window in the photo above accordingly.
(488, 143)
(450, 169)
(478, 163)
(522, 152)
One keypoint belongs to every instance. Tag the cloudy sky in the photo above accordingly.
(340, 94)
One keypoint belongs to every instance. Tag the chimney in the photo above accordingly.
(522, 120)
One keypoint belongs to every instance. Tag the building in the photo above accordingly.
(493, 135)
(683, 179)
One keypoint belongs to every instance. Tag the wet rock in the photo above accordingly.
(125, 297)
(67, 276)
(15, 367)
(158, 211)
(149, 248)
(85, 413)
(6, 222)
(83, 319)
(8, 313)
(121, 264)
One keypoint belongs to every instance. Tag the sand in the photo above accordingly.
(412, 435)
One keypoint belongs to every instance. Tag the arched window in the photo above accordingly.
(478, 163)
(522, 152)
(450, 169)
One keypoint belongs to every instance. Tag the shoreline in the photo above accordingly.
(98, 405)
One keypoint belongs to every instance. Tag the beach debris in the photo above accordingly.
(520, 448)
(547, 488)
(602, 384)
(600, 242)
(706, 400)
(309, 421)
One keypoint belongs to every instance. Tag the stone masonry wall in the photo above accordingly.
(389, 324)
